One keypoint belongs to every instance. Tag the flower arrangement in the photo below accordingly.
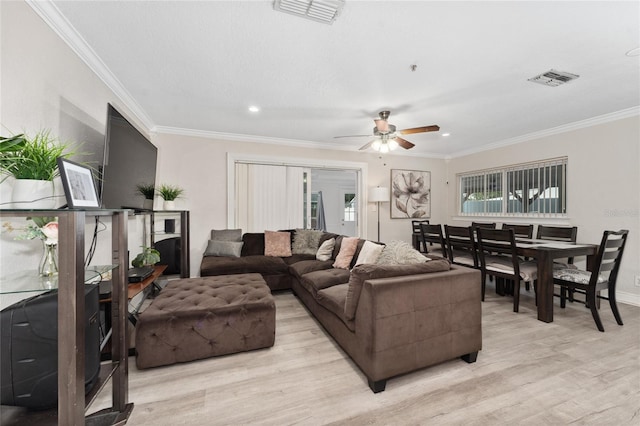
(44, 228)
(170, 192)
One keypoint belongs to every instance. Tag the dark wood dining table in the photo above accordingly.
(545, 252)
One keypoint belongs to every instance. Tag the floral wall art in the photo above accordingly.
(410, 194)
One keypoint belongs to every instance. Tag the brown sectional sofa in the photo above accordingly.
(390, 319)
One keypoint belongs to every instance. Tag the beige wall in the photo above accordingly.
(603, 180)
(45, 85)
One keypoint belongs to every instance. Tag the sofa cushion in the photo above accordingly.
(400, 253)
(253, 244)
(362, 273)
(295, 258)
(226, 234)
(317, 280)
(345, 255)
(298, 269)
(306, 241)
(369, 253)
(224, 248)
(325, 251)
(332, 298)
(265, 265)
(277, 243)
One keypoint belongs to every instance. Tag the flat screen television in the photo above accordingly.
(129, 160)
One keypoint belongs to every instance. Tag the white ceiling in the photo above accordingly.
(195, 67)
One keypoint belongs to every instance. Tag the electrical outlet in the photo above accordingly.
(637, 280)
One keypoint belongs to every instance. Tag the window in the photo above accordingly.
(532, 189)
(349, 207)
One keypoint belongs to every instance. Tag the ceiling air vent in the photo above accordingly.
(554, 78)
(325, 11)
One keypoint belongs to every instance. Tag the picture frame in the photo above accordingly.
(79, 185)
(410, 194)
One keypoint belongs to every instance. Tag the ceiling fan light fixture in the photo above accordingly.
(384, 148)
(376, 144)
(392, 144)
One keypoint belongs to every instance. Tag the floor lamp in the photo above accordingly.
(379, 195)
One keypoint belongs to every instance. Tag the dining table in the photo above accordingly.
(545, 252)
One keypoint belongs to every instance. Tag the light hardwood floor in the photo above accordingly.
(528, 372)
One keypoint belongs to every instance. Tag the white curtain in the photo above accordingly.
(268, 197)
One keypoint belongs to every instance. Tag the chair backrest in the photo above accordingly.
(415, 225)
(523, 231)
(557, 233)
(498, 241)
(460, 239)
(416, 234)
(487, 225)
(432, 234)
(609, 256)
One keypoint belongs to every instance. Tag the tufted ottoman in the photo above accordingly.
(196, 318)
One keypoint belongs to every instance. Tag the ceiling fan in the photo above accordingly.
(388, 138)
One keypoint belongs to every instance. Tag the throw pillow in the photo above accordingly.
(369, 253)
(224, 248)
(277, 244)
(400, 253)
(305, 241)
(326, 249)
(345, 255)
(226, 234)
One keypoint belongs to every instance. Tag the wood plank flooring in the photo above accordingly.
(528, 373)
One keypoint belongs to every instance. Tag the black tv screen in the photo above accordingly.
(129, 160)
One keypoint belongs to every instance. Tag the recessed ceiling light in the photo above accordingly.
(633, 52)
(444, 135)
(254, 108)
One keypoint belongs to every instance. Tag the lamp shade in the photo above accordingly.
(378, 194)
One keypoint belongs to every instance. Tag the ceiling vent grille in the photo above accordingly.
(325, 11)
(553, 78)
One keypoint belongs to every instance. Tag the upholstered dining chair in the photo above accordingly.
(499, 258)
(461, 245)
(522, 231)
(433, 239)
(603, 276)
(416, 235)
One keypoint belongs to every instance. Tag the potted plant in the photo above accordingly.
(148, 191)
(148, 257)
(32, 161)
(169, 193)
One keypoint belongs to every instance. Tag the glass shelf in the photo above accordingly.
(29, 281)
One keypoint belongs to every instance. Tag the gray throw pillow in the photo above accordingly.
(224, 248)
(226, 234)
(306, 241)
(400, 253)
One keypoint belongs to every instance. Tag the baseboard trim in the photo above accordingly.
(628, 298)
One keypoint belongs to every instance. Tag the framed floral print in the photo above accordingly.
(410, 194)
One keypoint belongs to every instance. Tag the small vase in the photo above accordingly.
(148, 204)
(169, 205)
(49, 263)
(33, 194)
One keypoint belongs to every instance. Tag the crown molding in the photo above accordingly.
(51, 15)
(589, 122)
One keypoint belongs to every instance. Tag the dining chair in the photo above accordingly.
(499, 258)
(558, 233)
(461, 245)
(416, 235)
(433, 239)
(488, 225)
(522, 231)
(603, 276)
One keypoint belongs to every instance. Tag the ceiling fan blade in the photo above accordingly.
(367, 145)
(382, 125)
(404, 143)
(422, 129)
(352, 136)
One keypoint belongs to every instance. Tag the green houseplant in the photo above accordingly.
(169, 193)
(32, 161)
(148, 257)
(148, 191)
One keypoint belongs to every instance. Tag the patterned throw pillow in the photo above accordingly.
(345, 255)
(277, 244)
(306, 241)
(400, 253)
(369, 253)
(326, 249)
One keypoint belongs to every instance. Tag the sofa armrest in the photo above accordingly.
(409, 322)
